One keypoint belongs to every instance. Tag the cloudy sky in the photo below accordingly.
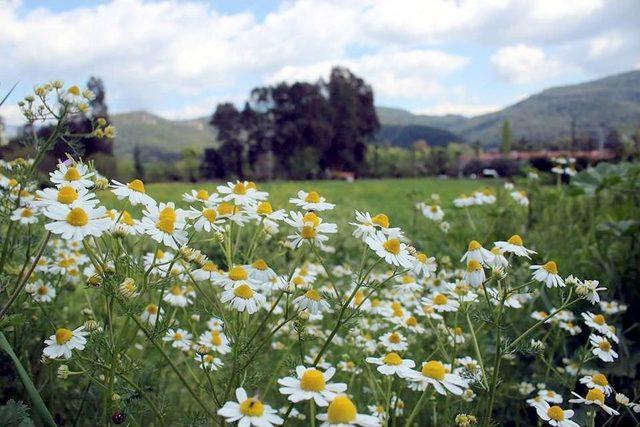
(179, 58)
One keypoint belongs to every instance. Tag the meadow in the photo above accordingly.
(393, 302)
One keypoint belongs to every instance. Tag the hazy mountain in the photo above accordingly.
(399, 117)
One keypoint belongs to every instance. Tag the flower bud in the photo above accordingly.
(464, 420)
(95, 281)
(63, 372)
(498, 273)
(91, 325)
(537, 345)
(622, 399)
(127, 288)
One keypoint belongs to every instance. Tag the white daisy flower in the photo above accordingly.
(550, 396)
(133, 191)
(392, 364)
(64, 341)
(206, 219)
(75, 175)
(474, 274)
(367, 225)
(441, 303)
(602, 348)
(24, 215)
(78, 222)
(514, 245)
(311, 384)
(342, 412)
(265, 211)
(394, 341)
(165, 224)
(177, 296)
(599, 381)
(202, 196)
(311, 301)
(209, 271)
(555, 415)
(215, 324)
(248, 411)
(547, 274)
(65, 195)
(242, 297)
(208, 362)
(311, 201)
(476, 252)
(260, 272)
(589, 290)
(309, 229)
(499, 260)
(237, 275)
(594, 397)
(41, 292)
(243, 193)
(435, 373)
(432, 212)
(151, 314)
(216, 341)
(520, 197)
(424, 264)
(179, 338)
(391, 249)
(599, 323)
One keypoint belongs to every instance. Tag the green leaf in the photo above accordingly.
(37, 402)
(15, 414)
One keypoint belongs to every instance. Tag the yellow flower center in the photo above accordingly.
(392, 246)
(457, 330)
(67, 195)
(238, 273)
(298, 280)
(210, 214)
(555, 413)
(42, 290)
(63, 336)
(264, 208)
(600, 379)
(422, 257)
(176, 290)
(127, 218)
(551, 267)
(252, 185)
(159, 254)
(167, 220)
(26, 213)
(226, 208)
(312, 380)
(440, 299)
(202, 194)
(252, 407)
(341, 410)
(516, 240)
(312, 294)
(72, 174)
(375, 302)
(474, 265)
(312, 218)
(216, 339)
(259, 264)
(136, 185)
(243, 291)
(604, 345)
(434, 369)
(77, 217)
(210, 266)
(595, 395)
(395, 338)
(599, 319)
(392, 359)
(474, 245)
(178, 336)
(152, 309)
(359, 297)
(239, 189)
(308, 232)
(312, 197)
(381, 220)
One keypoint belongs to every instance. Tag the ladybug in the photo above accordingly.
(118, 417)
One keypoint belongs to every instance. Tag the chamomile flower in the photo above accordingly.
(499, 260)
(309, 384)
(391, 249)
(550, 396)
(242, 297)
(41, 291)
(599, 323)
(424, 264)
(151, 314)
(75, 223)
(598, 381)
(216, 341)
(236, 276)
(602, 348)
(202, 196)
(474, 274)
(342, 412)
(260, 272)
(367, 225)
(520, 197)
(441, 303)
(476, 252)
(310, 229)
(394, 341)
(165, 224)
(311, 201)
(555, 415)
(206, 219)
(547, 274)
(435, 373)
(596, 397)
(177, 296)
(391, 364)
(311, 301)
(24, 215)
(64, 341)
(432, 212)
(208, 362)
(589, 289)
(515, 245)
(208, 271)
(463, 201)
(65, 195)
(243, 193)
(179, 338)
(248, 411)
(133, 191)
(76, 175)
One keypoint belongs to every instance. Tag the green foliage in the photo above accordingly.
(15, 414)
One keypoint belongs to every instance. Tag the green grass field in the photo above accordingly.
(394, 197)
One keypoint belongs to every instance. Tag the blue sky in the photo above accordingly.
(180, 58)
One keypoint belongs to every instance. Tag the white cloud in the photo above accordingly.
(467, 110)
(525, 64)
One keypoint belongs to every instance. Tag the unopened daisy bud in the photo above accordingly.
(101, 121)
(40, 91)
(29, 98)
(101, 183)
(57, 84)
(537, 345)
(110, 132)
(94, 281)
(622, 399)
(87, 312)
(98, 133)
(195, 317)
(119, 231)
(412, 250)
(88, 95)
(202, 349)
(110, 268)
(498, 273)
(63, 372)
(218, 236)
(45, 360)
(127, 288)
(464, 420)
(83, 107)
(91, 325)
(304, 315)
(572, 281)
(115, 397)
(74, 90)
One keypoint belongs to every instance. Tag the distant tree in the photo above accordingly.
(227, 120)
(613, 142)
(137, 162)
(507, 137)
(212, 164)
